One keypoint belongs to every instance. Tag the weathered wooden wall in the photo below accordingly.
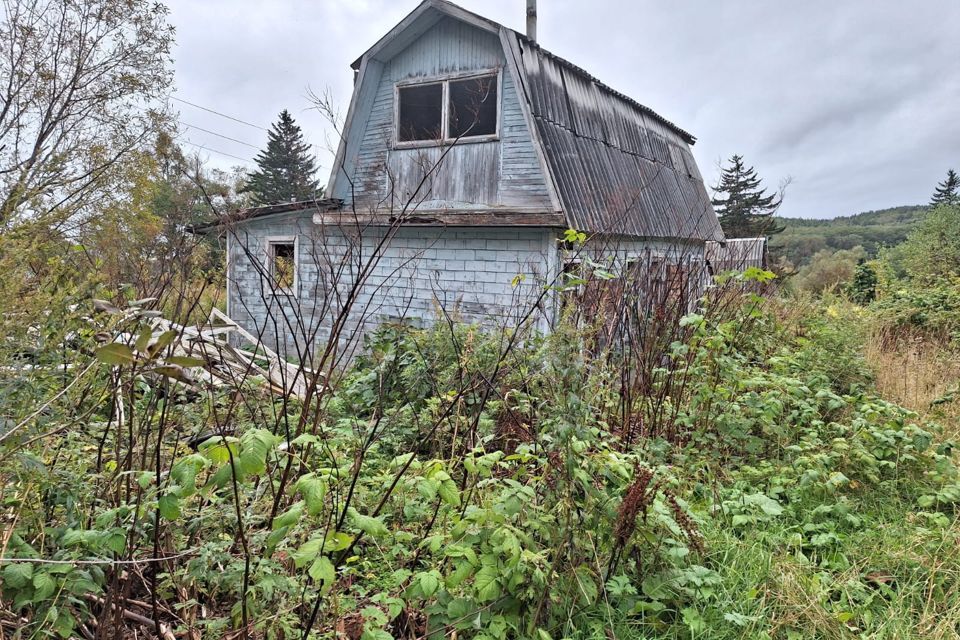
(470, 272)
(499, 174)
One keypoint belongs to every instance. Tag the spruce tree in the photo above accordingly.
(743, 206)
(948, 191)
(286, 170)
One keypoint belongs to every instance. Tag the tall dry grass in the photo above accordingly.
(920, 373)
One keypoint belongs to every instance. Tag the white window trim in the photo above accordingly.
(444, 81)
(268, 243)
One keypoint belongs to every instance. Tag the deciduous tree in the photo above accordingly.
(78, 79)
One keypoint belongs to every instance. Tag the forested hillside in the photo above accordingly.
(803, 237)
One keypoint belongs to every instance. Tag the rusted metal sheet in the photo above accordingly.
(619, 167)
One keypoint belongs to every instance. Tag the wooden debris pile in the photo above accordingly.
(207, 354)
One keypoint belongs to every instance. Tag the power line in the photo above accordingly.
(219, 135)
(214, 133)
(222, 115)
(217, 151)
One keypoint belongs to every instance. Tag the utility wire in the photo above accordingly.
(222, 115)
(217, 151)
(219, 135)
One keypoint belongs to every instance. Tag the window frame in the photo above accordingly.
(445, 80)
(270, 282)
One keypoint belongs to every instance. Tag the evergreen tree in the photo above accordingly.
(948, 191)
(743, 206)
(286, 170)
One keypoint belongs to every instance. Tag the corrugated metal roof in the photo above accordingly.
(737, 254)
(619, 167)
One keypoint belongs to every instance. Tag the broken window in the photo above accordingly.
(421, 112)
(473, 107)
(449, 110)
(283, 265)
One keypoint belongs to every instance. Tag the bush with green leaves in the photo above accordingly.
(444, 487)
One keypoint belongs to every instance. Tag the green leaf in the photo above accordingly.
(369, 525)
(586, 585)
(275, 537)
(64, 625)
(163, 341)
(427, 488)
(694, 621)
(323, 572)
(254, 447)
(116, 541)
(739, 619)
(429, 582)
(169, 506)
(186, 361)
(313, 490)
(143, 339)
(215, 448)
(307, 552)
(462, 571)
(449, 492)
(485, 582)
(44, 586)
(115, 354)
(17, 575)
(175, 372)
(185, 471)
(289, 517)
(337, 541)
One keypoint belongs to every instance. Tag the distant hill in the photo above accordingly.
(872, 230)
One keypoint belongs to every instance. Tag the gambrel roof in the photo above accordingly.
(613, 165)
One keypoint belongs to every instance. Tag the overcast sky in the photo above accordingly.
(858, 101)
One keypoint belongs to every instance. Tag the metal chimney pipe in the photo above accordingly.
(532, 19)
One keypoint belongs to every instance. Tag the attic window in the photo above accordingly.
(448, 110)
(473, 107)
(421, 112)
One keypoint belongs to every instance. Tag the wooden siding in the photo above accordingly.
(504, 173)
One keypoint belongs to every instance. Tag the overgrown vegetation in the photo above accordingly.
(450, 485)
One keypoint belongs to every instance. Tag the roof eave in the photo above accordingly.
(251, 213)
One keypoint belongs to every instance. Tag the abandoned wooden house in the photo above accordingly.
(467, 152)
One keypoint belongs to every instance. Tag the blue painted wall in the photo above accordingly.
(504, 174)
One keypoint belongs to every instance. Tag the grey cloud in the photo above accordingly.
(858, 100)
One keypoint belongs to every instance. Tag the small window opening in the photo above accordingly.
(473, 107)
(421, 112)
(283, 265)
